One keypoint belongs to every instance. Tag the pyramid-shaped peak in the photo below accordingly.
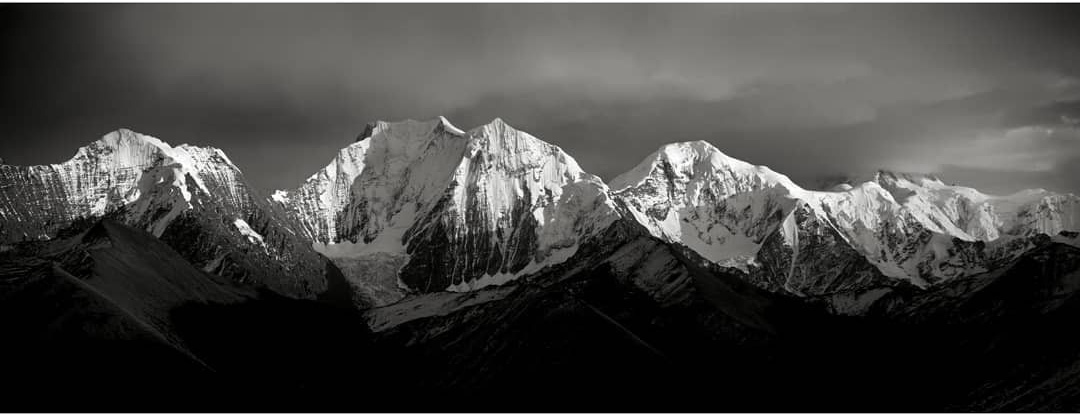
(494, 126)
(498, 136)
(124, 141)
(693, 160)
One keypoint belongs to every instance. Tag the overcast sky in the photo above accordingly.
(983, 95)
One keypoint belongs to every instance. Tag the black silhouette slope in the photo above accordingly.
(1006, 338)
(113, 319)
(644, 326)
(650, 326)
(89, 315)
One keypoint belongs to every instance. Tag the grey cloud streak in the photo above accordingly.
(978, 93)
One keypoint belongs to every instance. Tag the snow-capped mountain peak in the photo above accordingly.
(101, 177)
(905, 224)
(697, 161)
(194, 198)
(423, 206)
(446, 209)
(719, 206)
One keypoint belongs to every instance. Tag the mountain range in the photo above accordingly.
(488, 262)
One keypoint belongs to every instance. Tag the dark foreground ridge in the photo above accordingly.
(111, 319)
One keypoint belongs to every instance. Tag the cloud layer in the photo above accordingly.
(987, 95)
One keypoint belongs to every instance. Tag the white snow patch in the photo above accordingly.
(246, 230)
(280, 197)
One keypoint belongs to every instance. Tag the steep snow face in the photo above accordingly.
(466, 209)
(909, 227)
(37, 201)
(327, 191)
(122, 169)
(407, 167)
(186, 173)
(193, 198)
(807, 255)
(513, 205)
(719, 206)
(357, 209)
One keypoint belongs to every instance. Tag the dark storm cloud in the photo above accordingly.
(985, 93)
